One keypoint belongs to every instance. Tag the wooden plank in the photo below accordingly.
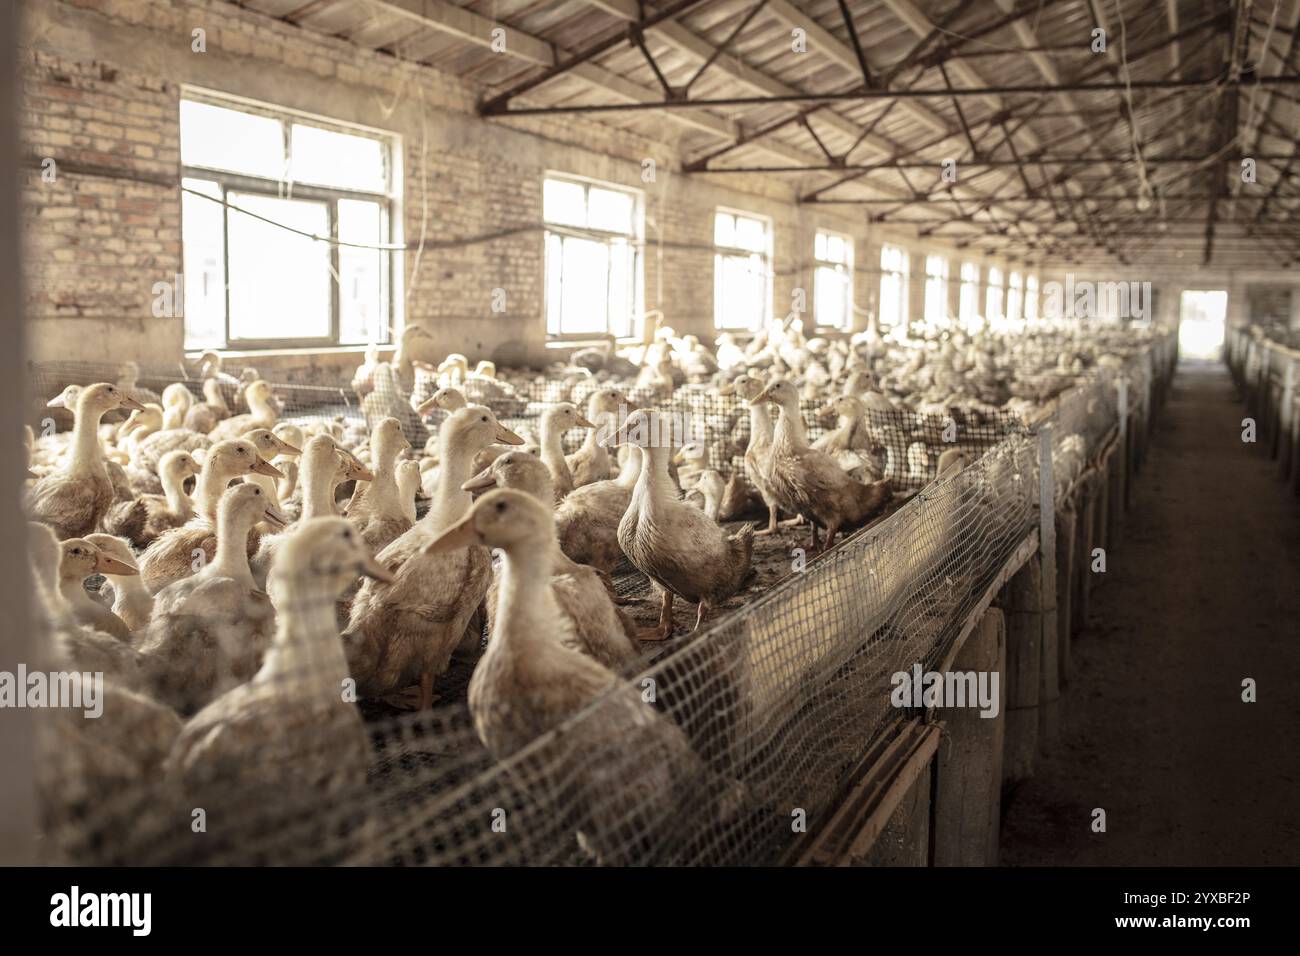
(968, 780)
(1022, 603)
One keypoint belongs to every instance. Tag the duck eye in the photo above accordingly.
(484, 418)
(501, 506)
(257, 491)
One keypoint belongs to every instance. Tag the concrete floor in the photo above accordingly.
(1202, 590)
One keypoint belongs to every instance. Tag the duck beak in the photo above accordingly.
(274, 518)
(126, 401)
(360, 472)
(373, 569)
(284, 448)
(507, 437)
(728, 389)
(680, 456)
(825, 410)
(583, 423)
(460, 535)
(764, 396)
(480, 482)
(56, 402)
(109, 565)
(264, 467)
(426, 406)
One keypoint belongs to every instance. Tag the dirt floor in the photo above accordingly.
(1201, 591)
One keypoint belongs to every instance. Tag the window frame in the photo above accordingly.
(1031, 297)
(990, 287)
(971, 285)
(389, 203)
(904, 277)
(846, 321)
(1015, 304)
(719, 251)
(936, 283)
(635, 240)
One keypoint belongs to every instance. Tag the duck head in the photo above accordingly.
(503, 518)
(236, 457)
(325, 555)
(515, 469)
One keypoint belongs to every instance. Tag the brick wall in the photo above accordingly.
(103, 79)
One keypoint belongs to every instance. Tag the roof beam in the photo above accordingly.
(465, 25)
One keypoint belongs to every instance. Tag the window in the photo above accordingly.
(593, 257)
(1031, 297)
(893, 286)
(833, 280)
(993, 298)
(287, 227)
(970, 292)
(936, 288)
(742, 273)
(1014, 295)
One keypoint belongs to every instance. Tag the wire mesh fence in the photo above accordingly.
(705, 756)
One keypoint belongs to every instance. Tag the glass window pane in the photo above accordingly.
(819, 246)
(326, 158)
(202, 230)
(621, 289)
(221, 138)
(751, 234)
(609, 210)
(584, 299)
(363, 279)
(279, 280)
(835, 249)
(830, 297)
(564, 202)
(724, 229)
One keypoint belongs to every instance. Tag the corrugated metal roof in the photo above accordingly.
(1088, 208)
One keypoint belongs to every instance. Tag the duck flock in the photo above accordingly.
(247, 578)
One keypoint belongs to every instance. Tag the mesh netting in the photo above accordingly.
(701, 757)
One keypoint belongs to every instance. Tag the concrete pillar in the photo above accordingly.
(968, 782)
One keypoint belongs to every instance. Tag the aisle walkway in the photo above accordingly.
(1202, 591)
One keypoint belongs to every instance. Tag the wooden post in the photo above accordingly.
(1101, 534)
(1049, 674)
(1286, 422)
(905, 840)
(968, 783)
(1085, 534)
(18, 822)
(1115, 495)
(1022, 601)
(1066, 551)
